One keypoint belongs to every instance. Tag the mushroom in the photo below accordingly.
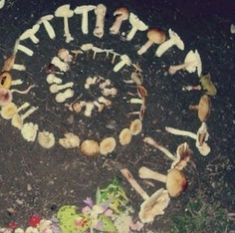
(19, 67)
(64, 55)
(125, 60)
(155, 36)
(203, 108)
(90, 148)
(24, 49)
(109, 91)
(51, 78)
(90, 81)
(125, 136)
(100, 12)
(46, 139)
(76, 107)
(88, 109)
(8, 111)
(29, 131)
(175, 180)
(192, 62)
(69, 141)
(63, 96)
(232, 28)
(5, 80)
(200, 138)
(208, 85)
(45, 21)
(137, 25)
(183, 153)
(153, 205)
(99, 106)
(136, 101)
(2, 3)
(30, 34)
(174, 40)
(104, 101)
(105, 83)
(122, 15)
(136, 127)
(84, 11)
(64, 67)
(54, 88)
(65, 12)
(107, 145)
(86, 47)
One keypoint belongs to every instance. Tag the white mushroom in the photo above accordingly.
(2, 3)
(137, 101)
(65, 12)
(86, 47)
(29, 131)
(46, 139)
(122, 15)
(105, 84)
(64, 67)
(54, 88)
(51, 78)
(30, 34)
(192, 62)
(69, 141)
(45, 21)
(16, 82)
(100, 12)
(63, 96)
(137, 25)
(88, 109)
(84, 11)
(174, 40)
(99, 106)
(109, 92)
(22, 48)
(104, 101)
(125, 60)
(90, 81)
(19, 67)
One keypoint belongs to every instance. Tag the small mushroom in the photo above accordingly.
(203, 108)
(5, 80)
(65, 12)
(29, 131)
(104, 101)
(8, 111)
(153, 205)
(46, 139)
(54, 88)
(125, 136)
(70, 141)
(136, 127)
(19, 67)
(30, 34)
(63, 96)
(121, 14)
(64, 55)
(109, 92)
(90, 148)
(84, 11)
(22, 48)
(155, 36)
(51, 78)
(100, 12)
(125, 60)
(107, 145)
(45, 21)
(174, 40)
(137, 25)
(64, 67)
(192, 62)
(89, 106)
(175, 180)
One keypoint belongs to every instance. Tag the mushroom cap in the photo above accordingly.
(193, 60)
(107, 145)
(136, 126)
(122, 11)
(156, 35)
(25, 35)
(125, 136)
(5, 80)
(204, 108)
(69, 141)
(46, 139)
(64, 11)
(204, 149)
(90, 148)
(136, 22)
(176, 183)
(29, 131)
(8, 111)
(5, 96)
(45, 18)
(177, 40)
(154, 206)
(85, 8)
(17, 121)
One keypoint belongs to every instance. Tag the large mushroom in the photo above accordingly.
(125, 60)
(155, 36)
(174, 40)
(83, 10)
(153, 205)
(121, 14)
(65, 12)
(30, 34)
(100, 12)
(45, 21)
(137, 25)
(183, 153)
(192, 62)
(175, 180)
(200, 138)
(203, 108)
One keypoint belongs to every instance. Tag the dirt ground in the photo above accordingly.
(35, 180)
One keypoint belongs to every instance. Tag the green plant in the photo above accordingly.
(201, 217)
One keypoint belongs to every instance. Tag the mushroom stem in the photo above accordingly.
(19, 67)
(119, 66)
(24, 91)
(175, 68)
(164, 47)
(34, 39)
(181, 132)
(127, 174)
(25, 50)
(145, 47)
(100, 16)
(28, 113)
(153, 143)
(146, 173)
(66, 31)
(116, 25)
(85, 22)
(23, 106)
(136, 101)
(132, 33)
(49, 29)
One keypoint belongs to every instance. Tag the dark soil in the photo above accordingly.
(34, 180)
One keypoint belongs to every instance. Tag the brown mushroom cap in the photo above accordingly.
(107, 145)
(136, 127)
(125, 136)
(176, 183)
(5, 80)
(204, 108)
(157, 36)
(90, 147)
